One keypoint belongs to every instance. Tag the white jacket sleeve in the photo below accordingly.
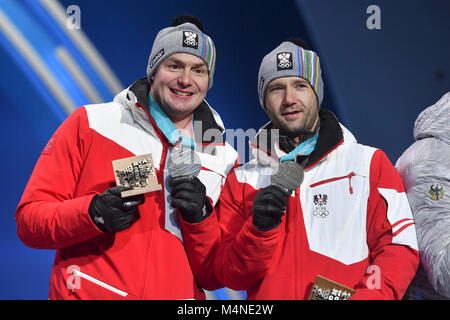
(425, 170)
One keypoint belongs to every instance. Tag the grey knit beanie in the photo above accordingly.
(185, 38)
(290, 60)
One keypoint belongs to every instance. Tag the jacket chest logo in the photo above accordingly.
(320, 202)
(437, 192)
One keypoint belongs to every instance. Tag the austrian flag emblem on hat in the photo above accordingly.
(284, 61)
(190, 39)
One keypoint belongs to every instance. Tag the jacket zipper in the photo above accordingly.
(149, 239)
(296, 243)
(349, 177)
(162, 163)
(77, 273)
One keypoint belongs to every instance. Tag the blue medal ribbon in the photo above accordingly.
(305, 148)
(166, 125)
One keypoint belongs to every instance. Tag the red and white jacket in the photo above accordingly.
(146, 261)
(349, 221)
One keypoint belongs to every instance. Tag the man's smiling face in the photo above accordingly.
(180, 85)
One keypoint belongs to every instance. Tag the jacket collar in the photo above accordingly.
(331, 135)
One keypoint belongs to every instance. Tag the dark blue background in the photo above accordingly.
(376, 81)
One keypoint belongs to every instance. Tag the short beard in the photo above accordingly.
(305, 133)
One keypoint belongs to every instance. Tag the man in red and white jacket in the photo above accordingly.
(349, 221)
(109, 247)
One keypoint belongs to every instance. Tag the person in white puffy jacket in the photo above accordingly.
(425, 170)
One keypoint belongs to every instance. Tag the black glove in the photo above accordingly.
(189, 196)
(268, 207)
(111, 213)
